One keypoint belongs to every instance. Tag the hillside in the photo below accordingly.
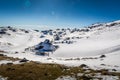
(97, 45)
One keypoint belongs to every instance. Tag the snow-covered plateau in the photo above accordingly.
(97, 45)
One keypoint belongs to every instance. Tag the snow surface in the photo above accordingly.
(2, 78)
(95, 77)
(8, 61)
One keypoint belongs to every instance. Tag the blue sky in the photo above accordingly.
(58, 13)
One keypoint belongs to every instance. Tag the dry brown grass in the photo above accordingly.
(39, 71)
(31, 71)
(4, 57)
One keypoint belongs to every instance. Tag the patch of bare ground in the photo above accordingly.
(40, 71)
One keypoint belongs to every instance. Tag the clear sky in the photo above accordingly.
(58, 13)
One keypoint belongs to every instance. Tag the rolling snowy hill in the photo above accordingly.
(71, 47)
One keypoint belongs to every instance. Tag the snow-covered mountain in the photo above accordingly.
(65, 44)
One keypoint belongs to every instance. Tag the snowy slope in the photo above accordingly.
(99, 42)
(19, 40)
(76, 46)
